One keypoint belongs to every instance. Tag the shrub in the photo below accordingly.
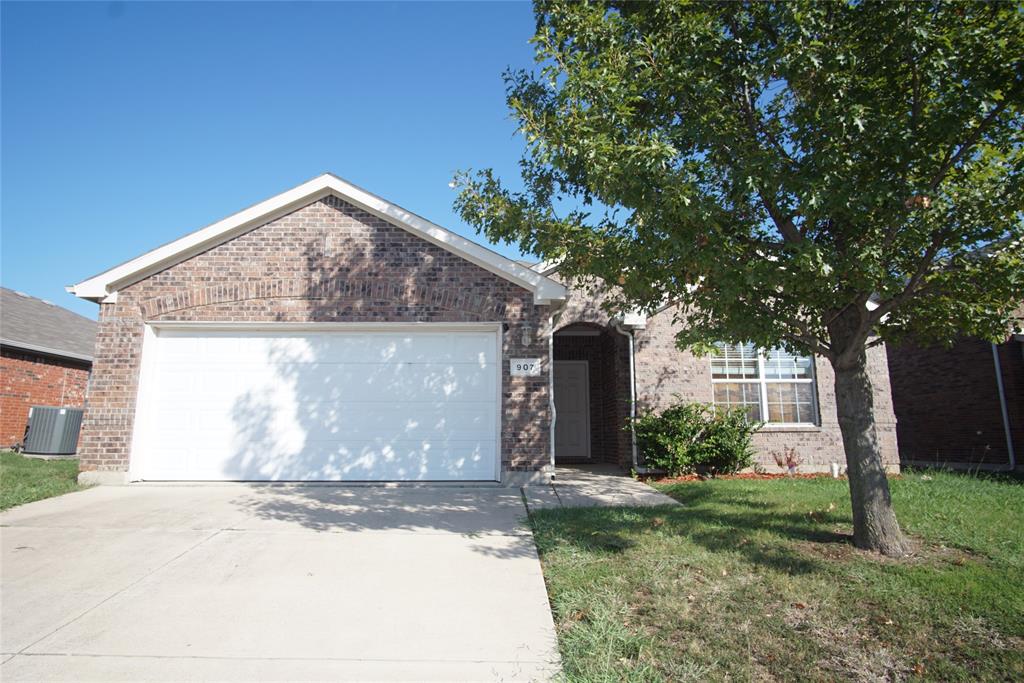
(670, 440)
(695, 437)
(728, 446)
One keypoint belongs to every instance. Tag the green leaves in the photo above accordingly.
(686, 437)
(768, 165)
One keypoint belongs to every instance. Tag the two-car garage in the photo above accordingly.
(325, 402)
(323, 334)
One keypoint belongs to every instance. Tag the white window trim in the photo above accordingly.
(762, 383)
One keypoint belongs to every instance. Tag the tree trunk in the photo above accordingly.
(874, 522)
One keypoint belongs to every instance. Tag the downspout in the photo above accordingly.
(551, 389)
(1012, 465)
(628, 334)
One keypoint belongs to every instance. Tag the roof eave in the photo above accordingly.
(45, 350)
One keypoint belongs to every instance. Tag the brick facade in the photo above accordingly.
(947, 402)
(330, 261)
(29, 379)
(663, 372)
(326, 262)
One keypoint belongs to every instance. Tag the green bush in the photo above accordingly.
(695, 437)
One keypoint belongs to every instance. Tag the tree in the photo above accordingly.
(826, 176)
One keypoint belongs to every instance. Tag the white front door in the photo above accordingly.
(572, 409)
(345, 403)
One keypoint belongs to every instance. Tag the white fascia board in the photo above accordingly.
(547, 267)
(99, 287)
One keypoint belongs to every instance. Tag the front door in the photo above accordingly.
(572, 409)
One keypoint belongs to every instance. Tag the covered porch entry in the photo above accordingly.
(592, 395)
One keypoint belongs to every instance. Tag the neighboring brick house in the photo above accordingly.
(45, 358)
(961, 406)
(327, 334)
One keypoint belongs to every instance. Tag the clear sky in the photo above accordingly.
(126, 125)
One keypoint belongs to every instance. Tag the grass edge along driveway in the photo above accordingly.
(24, 480)
(758, 580)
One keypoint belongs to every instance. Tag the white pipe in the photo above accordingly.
(616, 325)
(1002, 406)
(551, 388)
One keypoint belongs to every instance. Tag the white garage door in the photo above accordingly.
(346, 404)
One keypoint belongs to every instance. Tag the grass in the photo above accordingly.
(757, 580)
(23, 480)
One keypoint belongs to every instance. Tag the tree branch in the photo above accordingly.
(807, 337)
(786, 227)
(911, 287)
(785, 224)
(972, 139)
(814, 344)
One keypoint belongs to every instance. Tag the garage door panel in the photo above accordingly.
(375, 460)
(228, 405)
(430, 421)
(326, 421)
(266, 427)
(180, 346)
(430, 382)
(393, 382)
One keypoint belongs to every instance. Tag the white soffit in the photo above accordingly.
(101, 287)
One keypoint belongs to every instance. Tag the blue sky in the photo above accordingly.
(126, 125)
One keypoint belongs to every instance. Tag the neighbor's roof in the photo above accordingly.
(107, 283)
(37, 325)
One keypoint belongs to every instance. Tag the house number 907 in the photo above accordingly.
(524, 367)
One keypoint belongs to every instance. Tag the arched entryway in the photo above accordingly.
(591, 388)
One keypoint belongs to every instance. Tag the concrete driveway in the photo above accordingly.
(274, 583)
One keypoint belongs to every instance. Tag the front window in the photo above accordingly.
(773, 386)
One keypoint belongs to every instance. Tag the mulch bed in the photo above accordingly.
(686, 478)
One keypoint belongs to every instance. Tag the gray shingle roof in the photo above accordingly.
(30, 323)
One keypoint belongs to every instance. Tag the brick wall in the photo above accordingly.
(663, 371)
(27, 380)
(326, 262)
(947, 401)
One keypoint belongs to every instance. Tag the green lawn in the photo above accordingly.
(23, 480)
(757, 580)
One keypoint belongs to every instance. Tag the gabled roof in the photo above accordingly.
(33, 324)
(106, 284)
(634, 319)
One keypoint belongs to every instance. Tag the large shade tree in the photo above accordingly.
(822, 175)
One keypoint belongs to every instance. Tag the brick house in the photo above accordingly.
(328, 334)
(961, 406)
(45, 359)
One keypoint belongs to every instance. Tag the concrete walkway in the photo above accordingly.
(593, 486)
(240, 582)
